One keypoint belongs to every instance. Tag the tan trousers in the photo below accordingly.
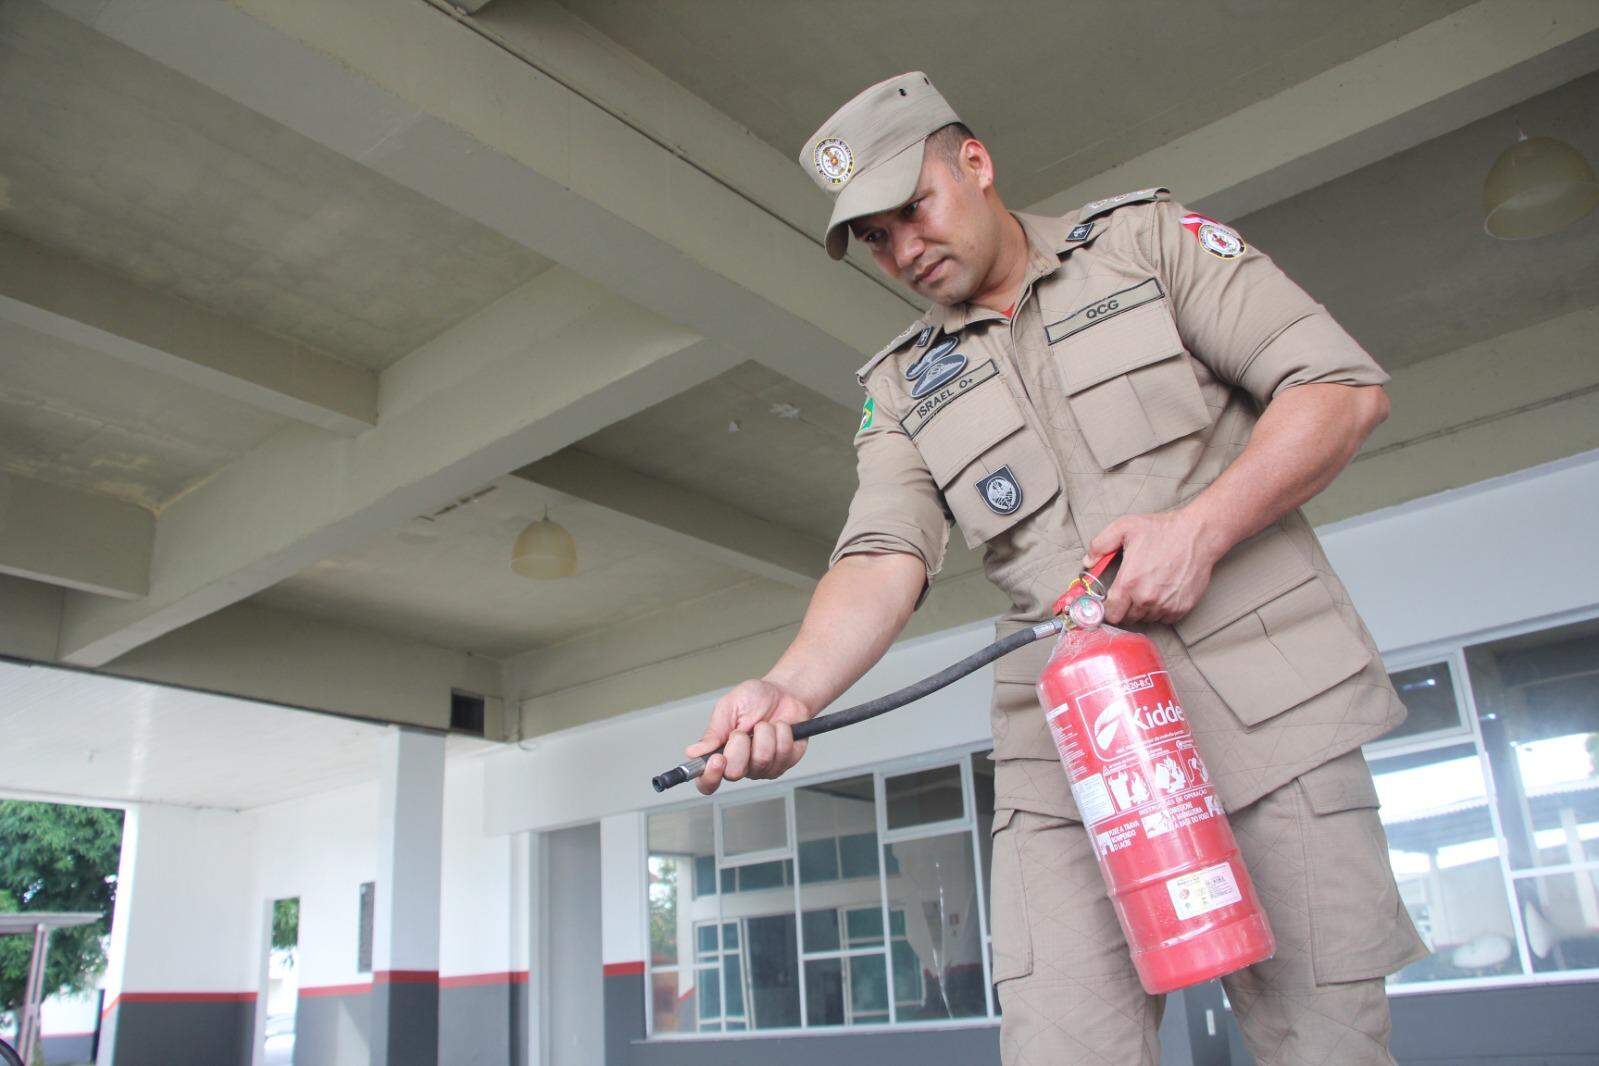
(1066, 982)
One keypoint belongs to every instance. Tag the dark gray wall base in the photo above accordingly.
(333, 1030)
(405, 1024)
(144, 1033)
(1550, 1025)
(76, 1047)
(483, 1025)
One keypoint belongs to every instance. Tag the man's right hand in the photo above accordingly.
(754, 725)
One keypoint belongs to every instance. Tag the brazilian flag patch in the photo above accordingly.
(868, 409)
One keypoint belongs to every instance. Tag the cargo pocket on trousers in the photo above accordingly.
(1268, 636)
(1128, 381)
(992, 468)
(1007, 909)
(1360, 928)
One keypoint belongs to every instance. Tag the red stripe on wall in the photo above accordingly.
(624, 969)
(405, 977)
(336, 990)
(177, 997)
(509, 977)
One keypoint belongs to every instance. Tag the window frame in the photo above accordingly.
(960, 756)
(1453, 651)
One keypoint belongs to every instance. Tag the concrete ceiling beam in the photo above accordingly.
(287, 658)
(74, 539)
(433, 103)
(678, 518)
(1475, 62)
(70, 300)
(541, 368)
(31, 620)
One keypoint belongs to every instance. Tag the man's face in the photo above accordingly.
(943, 241)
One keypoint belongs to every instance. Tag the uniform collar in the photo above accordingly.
(1048, 238)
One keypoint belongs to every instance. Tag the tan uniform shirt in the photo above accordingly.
(1131, 373)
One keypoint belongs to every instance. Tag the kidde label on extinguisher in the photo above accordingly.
(1204, 890)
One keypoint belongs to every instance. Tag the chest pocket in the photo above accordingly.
(992, 468)
(1126, 373)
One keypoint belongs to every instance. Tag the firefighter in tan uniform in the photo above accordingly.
(1131, 376)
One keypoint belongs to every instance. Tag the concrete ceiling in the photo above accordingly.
(1397, 250)
(1060, 90)
(447, 581)
(117, 741)
(360, 224)
(791, 459)
(76, 417)
(115, 159)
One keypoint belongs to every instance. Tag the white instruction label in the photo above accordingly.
(1204, 891)
(1093, 799)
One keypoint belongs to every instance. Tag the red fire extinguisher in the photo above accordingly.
(1165, 848)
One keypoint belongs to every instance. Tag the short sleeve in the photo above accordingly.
(896, 507)
(1242, 316)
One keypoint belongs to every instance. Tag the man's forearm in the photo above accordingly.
(1304, 438)
(857, 610)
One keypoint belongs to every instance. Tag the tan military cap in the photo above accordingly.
(868, 155)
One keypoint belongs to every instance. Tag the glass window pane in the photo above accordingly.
(818, 859)
(1538, 698)
(1445, 857)
(730, 935)
(773, 960)
(1428, 693)
(752, 827)
(675, 1000)
(936, 888)
(868, 989)
(827, 814)
(857, 855)
(1561, 915)
(705, 939)
(733, 981)
(680, 842)
(709, 993)
(820, 929)
(765, 875)
(924, 797)
(824, 992)
(865, 927)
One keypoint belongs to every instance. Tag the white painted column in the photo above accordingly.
(181, 977)
(622, 892)
(405, 934)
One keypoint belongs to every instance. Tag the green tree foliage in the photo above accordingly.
(55, 857)
(286, 923)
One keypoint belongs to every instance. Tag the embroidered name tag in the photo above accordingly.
(929, 406)
(1109, 307)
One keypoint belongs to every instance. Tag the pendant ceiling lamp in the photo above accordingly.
(1537, 186)
(544, 551)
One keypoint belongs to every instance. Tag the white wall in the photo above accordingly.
(184, 918)
(320, 849)
(1495, 554)
(1498, 553)
(481, 931)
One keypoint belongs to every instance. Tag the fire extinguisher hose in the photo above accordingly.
(883, 704)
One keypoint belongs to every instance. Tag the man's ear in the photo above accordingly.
(977, 163)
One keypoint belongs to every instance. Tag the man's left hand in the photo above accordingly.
(1166, 565)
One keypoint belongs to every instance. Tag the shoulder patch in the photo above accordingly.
(1095, 208)
(918, 329)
